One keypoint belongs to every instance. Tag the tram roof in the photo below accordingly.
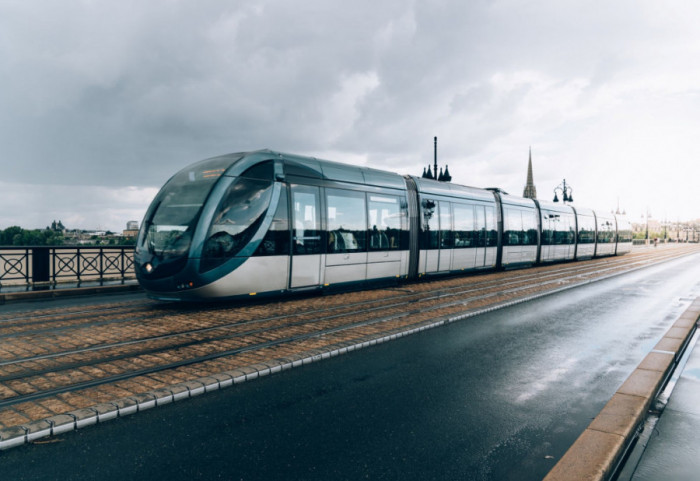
(312, 167)
(430, 186)
(555, 207)
(508, 199)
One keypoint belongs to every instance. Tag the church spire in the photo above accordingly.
(530, 191)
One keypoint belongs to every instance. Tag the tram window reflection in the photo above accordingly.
(385, 219)
(276, 241)
(347, 222)
(307, 221)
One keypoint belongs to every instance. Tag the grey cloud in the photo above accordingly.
(126, 93)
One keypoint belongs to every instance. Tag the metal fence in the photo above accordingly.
(50, 265)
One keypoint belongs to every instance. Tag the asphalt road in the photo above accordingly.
(498, 396)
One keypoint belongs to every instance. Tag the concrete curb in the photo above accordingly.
(65, 292)
(601, 447)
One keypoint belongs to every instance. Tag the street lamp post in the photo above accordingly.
(647, 234)
(566, 191)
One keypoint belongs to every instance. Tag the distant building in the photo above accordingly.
(530, 191)
(132, 229)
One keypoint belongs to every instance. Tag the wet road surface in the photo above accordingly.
(498, 396)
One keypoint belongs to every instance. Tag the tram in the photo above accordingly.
(269, 223)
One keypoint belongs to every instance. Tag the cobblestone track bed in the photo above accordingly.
(16, 375)
(36, 365)
(65, 322)
(270, 347)
(150, 312)
(51, 317)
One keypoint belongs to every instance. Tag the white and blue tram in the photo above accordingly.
(270, 223)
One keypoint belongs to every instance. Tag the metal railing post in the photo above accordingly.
(40, 264)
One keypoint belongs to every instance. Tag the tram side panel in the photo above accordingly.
(624, 235)
(388, 236)
(346, 224)
(606, 231)
(458, 232)
(349, 232)
(586, 235)
(265, 268)
(520, 232)
(558, 232)
(275, 222)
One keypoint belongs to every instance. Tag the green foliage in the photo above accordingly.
(652, 234)
(16, 236)
(53, 236)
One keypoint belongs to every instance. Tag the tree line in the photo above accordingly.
(16, 236)
(53, 235)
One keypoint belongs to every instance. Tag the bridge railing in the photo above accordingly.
(50, 265)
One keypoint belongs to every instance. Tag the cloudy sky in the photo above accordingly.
(102, 101)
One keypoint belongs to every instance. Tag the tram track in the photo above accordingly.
(434, 301)
(151, 310)
(383, 303)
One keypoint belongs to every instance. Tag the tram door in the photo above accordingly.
(306, 237)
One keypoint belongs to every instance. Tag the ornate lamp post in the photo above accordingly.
(433, 174)
(647, 234)
(565, 190)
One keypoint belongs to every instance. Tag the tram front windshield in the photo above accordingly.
(177, 207)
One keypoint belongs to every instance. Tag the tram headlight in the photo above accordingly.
(148, 267)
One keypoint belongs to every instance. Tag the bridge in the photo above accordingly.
(75, 362)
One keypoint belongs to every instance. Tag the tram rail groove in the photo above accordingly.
(312, 344)
(75, 365)
(48, 313)
(442, 295)
(151, 314)
(210, 329)
(131, 342)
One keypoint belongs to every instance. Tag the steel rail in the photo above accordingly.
(214, 355)
(513, 279)
(382, 304)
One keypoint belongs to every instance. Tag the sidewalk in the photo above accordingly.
(673, 449)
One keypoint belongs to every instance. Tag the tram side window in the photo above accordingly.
(548, 222)
(404, 237)
(529, 228)
(445, 225)
(307, 220)
(263, 170)
(586, 231)
(606, 232)
(347, 223)
(430, 228)
(513, 230)
(465, 236)
(237, 218)
(276, 241)
(570, 236)
(385, 221)
(491, 230)
(480, 226)
(560, 231)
